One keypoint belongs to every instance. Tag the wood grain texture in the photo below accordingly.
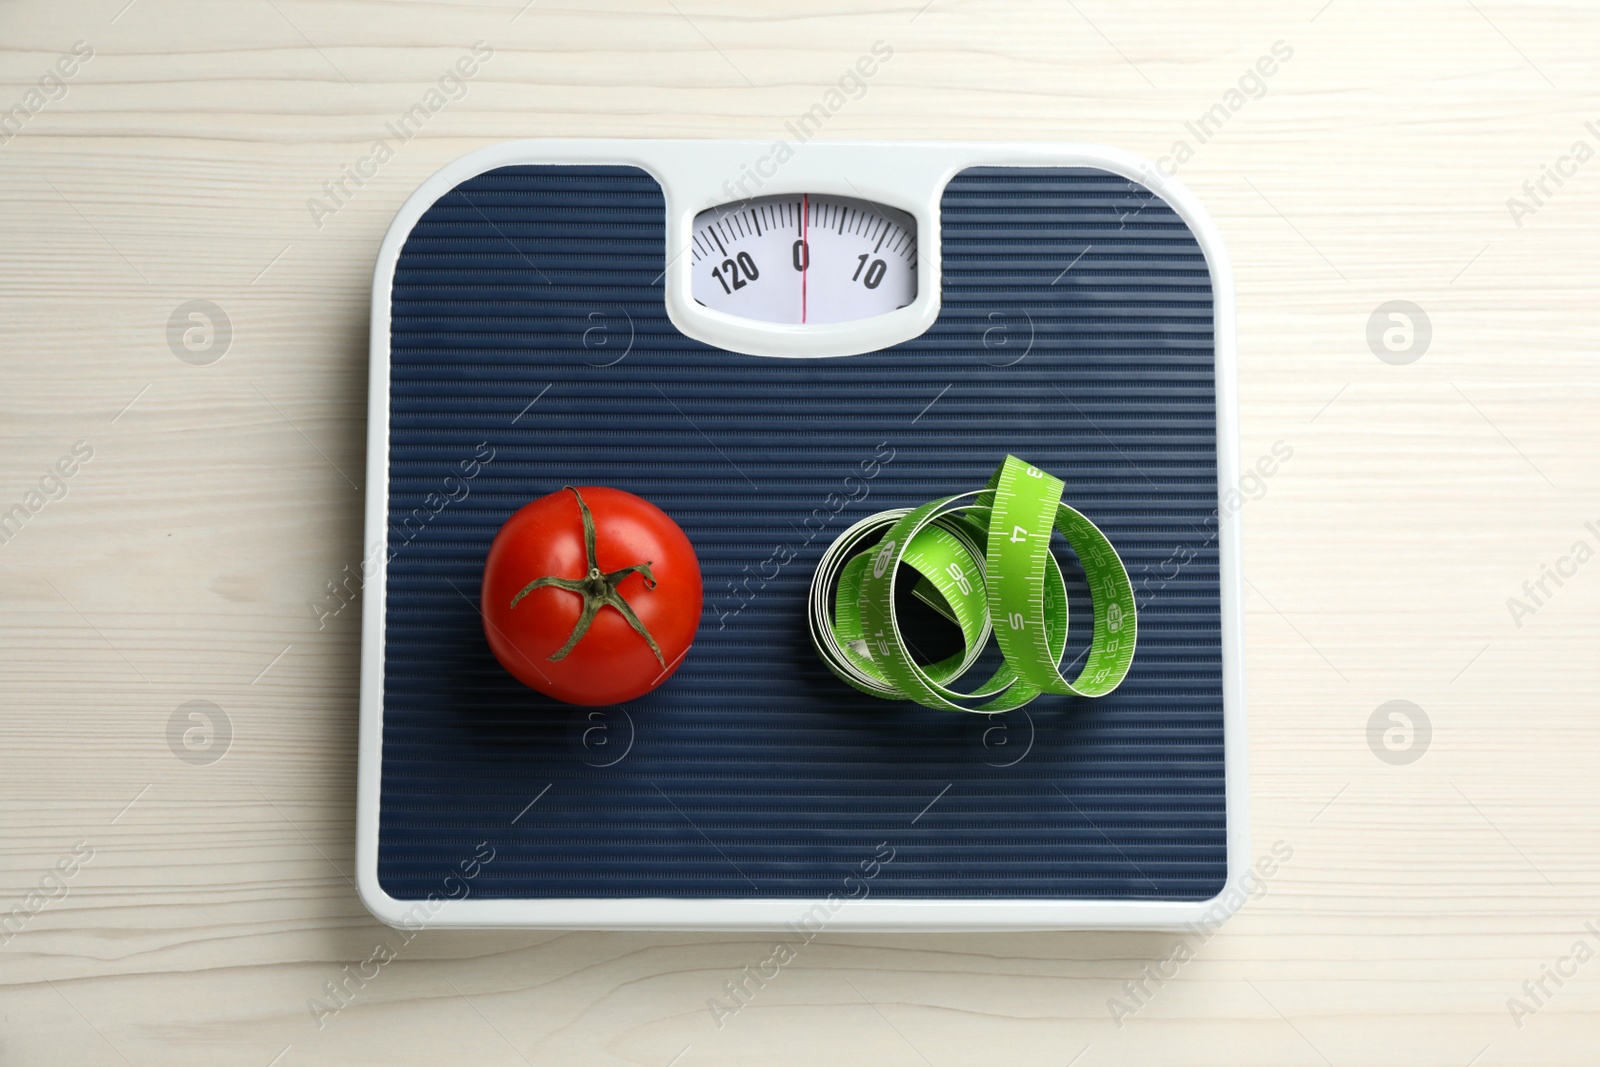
(220, 499)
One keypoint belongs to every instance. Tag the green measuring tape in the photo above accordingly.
(1011, 587)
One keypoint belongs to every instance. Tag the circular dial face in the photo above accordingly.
(802, 258)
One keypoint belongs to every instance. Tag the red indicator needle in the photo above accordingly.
(805, 249)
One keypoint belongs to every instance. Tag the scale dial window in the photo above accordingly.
(804, 259)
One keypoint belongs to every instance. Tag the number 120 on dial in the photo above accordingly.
(803, 259)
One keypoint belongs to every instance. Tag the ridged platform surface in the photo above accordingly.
(753, 772)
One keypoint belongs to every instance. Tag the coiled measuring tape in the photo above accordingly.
(1011, 587)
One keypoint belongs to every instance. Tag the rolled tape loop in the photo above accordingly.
(1011, 587)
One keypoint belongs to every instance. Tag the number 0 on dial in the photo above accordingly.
(805, 259)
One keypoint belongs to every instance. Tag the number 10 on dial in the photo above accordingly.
(804, 259)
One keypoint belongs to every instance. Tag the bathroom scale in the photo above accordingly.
(771, 342)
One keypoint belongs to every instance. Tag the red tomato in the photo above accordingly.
(543, 587)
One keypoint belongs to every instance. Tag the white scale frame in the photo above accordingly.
(695, 175)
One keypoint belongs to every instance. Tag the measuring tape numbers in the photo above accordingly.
(983, 561)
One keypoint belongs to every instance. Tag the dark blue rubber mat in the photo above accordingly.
(531, 350)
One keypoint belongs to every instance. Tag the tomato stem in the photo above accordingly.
(598, 590)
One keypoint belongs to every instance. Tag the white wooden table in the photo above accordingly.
(199, 906)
